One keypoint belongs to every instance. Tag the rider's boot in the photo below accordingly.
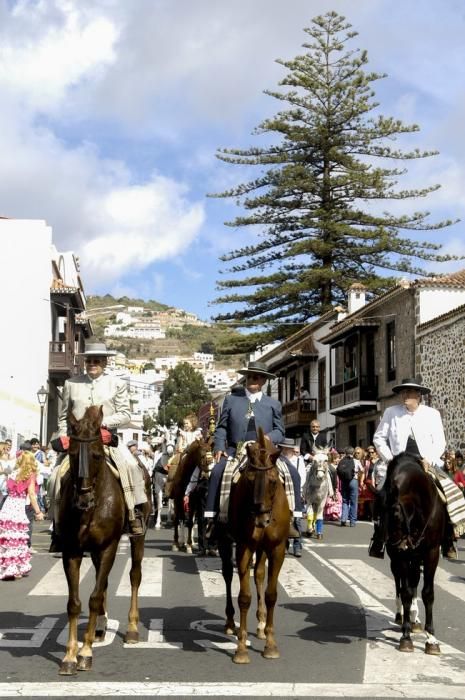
(137, 526)
(377, 546)
(293, 531)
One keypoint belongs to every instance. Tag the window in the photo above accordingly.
(351, 358)
(371, 427)
(322, 385)
(391, 350)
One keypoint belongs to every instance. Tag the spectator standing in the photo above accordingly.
(15, 555)
(348, 471)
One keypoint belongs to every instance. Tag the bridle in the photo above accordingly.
(407, 542)
(259, 490)
(84, 496)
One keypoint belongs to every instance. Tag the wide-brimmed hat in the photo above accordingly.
(412, 383)
(97, 350)
(288, 442)
(257, 368)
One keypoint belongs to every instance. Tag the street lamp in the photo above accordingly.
(42, 395)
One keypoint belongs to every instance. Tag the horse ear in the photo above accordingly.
(261, 437)
(100, 414)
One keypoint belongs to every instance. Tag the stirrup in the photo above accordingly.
(376, 548)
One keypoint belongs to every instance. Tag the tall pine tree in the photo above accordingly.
(316, 201)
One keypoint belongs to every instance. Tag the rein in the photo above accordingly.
(83, 472)
(410, 543)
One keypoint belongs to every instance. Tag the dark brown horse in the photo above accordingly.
(92, 519)
(258, 524)
(416, 520)
(197, 454)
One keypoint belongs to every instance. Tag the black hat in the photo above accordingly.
(412, 383)
(257, 368)
(287, 442)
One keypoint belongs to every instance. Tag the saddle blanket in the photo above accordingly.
(455, 502)
(234, 466)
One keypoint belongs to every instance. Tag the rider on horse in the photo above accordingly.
(98, 389)
(242, 414)
(417, 429)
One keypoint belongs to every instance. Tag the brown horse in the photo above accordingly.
(258, 523)
(197, 454)
(92, 519)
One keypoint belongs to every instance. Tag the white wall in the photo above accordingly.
(435, 301)
(25, 279)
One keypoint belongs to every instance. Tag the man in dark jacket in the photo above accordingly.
(241, 416)
(312, 441)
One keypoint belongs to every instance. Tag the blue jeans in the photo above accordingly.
(349, 492)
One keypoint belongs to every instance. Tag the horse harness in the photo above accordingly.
(84, 496)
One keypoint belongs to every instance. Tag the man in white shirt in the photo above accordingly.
(409, 427)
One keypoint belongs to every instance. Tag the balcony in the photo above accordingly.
(353, 396)
(61, 358)
(299, 412)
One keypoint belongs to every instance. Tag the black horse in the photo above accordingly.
(415, 521)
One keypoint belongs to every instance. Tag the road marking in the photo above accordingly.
(367, 576)
(155, 638)
(382, 658)
(37, 635)
(54, 582)
(152, 574)
(438, 690)
(298, 582)
(451, 583)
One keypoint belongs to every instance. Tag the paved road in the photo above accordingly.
(333, 620)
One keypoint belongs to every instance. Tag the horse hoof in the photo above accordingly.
(189, 549)
(131, 637)
(433, 649)
(68, 668)
(270, 653)
(406, 645)
(84, 663)
(241, 657)
(398, 619)
(416, 627)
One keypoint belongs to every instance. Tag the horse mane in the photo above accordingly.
(90, 423)
(404, 459)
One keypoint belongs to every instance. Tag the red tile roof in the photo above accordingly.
(455, 279)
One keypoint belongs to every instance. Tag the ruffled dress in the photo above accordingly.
(15, 558)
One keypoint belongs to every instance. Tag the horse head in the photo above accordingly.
(319, 466)
(86, 454)
(262, 477)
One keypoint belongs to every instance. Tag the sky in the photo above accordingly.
(112, 112)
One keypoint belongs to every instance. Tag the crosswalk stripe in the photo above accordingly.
(367, 576)
(152, 576)
(296, 580)
(54, 582)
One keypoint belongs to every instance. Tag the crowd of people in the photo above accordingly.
(355, 475)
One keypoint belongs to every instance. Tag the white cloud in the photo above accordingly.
(140, 225)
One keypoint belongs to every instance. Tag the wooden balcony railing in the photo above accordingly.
(299, 412)
(61, 357)
(353, 390)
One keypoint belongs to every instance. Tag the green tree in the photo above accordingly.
(318, 202)
(184, 391)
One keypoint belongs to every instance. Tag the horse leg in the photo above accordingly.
(96, 602)
(409, 582)
(429, 569)
(259, 577)
(102, 617)
(71, 566)
(175, 545)
(135, 576)
(225, 548)
(243, 556)
(275, 562)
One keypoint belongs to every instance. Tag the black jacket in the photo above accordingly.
(309, 443)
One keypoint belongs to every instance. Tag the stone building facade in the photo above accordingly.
(440, 358)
